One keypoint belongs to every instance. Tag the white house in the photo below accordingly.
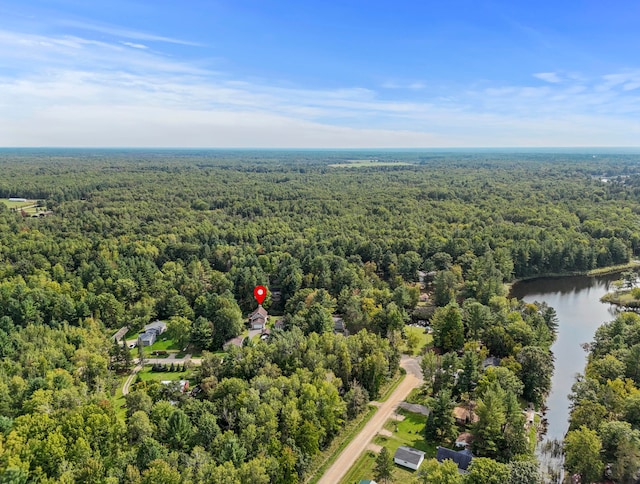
(408, 457)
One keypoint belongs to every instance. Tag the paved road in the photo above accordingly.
(359, 443)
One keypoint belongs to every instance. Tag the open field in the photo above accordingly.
(367, 164)
(11, 204)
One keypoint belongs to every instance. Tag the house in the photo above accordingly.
(462, 458)
(491, 361)
(408, 457)
(464, 415)
(151, 333)
(237, 341)
(258, 318)
(464, 440)
(279, 324)
(339, 326)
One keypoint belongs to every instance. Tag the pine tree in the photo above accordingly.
(384, 466)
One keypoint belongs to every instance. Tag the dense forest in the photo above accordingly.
(185, 236)
(604, 432)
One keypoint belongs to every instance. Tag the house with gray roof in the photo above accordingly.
(408, 457)
(462, 458)
(151, 333)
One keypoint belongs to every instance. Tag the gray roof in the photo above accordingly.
(147, 337)
(491, 361)
(462, 458)
(408, 454)
(157, 326)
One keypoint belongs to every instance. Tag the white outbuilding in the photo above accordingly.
(408, 457)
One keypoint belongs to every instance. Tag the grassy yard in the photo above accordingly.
(408, 433)
(118, 400)
(418, 333)
(163, 343)
(147, 375)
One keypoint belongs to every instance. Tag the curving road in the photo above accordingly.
(359, 443)
(129, 381)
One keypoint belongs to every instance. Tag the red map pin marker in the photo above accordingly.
(260, 292)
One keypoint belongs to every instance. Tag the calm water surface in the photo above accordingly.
(580, 312)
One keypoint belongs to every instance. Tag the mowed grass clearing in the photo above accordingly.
(11, 204)
(409, 433)
(147, 375)
(368, 164)
(424, 339)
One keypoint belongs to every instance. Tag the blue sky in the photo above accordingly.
(311, 74)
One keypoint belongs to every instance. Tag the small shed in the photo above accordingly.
(408, 457)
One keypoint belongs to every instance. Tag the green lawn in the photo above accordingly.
(9, 204)
(164, 343)
(147, 375)
(118, 400)
(409, 433)
(424, 339)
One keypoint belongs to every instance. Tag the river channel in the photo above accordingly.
(576, 300)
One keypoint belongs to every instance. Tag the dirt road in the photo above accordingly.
(359, 443)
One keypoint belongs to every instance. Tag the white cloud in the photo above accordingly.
(134, 45)
(76, 91)
(126, 33)
(551, 77)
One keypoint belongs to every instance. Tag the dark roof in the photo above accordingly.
(462, 459)
(491, 361)
(408, 454)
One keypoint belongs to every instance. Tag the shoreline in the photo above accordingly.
(601, 271)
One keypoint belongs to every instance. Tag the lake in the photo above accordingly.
(576, 300)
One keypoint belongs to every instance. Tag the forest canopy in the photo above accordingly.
(185, 236)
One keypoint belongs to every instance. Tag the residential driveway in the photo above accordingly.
(129, 381)
(359, 443)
